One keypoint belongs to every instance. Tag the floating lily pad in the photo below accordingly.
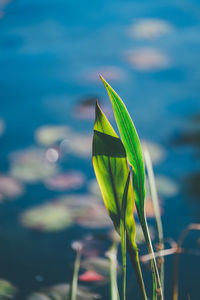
(7, 290)
(91, 276)
(149, 28)
(148, 59)
(78, 144)
(50, 135)
(87, 211)
(47, 217)
(97, 264)
(166, 186)
(61, 292)
(38, 296)
(32, 165)
(92, 246)
(71, 180)
(10, 188)
(95, 217)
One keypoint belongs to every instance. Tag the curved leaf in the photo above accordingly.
(111, 169)
(113, 175)
(133, 148)
(131, 143)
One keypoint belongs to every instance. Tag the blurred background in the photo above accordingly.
(51, 53)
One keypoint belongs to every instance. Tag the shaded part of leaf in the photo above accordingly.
(108, 145)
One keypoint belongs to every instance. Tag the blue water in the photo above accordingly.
(48, 51)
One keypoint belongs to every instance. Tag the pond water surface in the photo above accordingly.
(51, 53)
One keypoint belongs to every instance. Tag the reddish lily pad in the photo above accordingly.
(71, 180)
(91, 276)
(147, 59)
(10, 188)
(32, 165)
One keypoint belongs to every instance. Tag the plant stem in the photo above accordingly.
(136, 265)
(74, 283)
(123, 248)
(154, 196)
(155, 273)
(112, 256)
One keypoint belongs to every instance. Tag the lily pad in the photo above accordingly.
(95, 217)
(7, 290)
(50, 135)
(91, 276)
(148, 59)
(97, 264)
(32, 165)
(10, 188)
(86, 210)
(78, 144)
(47, 217)
(71, 180)
(61, 292)
(149, 28)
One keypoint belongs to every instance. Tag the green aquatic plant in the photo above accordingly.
(113, 161)
(156, 206)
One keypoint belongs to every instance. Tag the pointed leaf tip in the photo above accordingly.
(131, 143)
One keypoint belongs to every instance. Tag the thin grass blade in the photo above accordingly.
(123, 234)
(74, 283)
(112, 256)
(154, 196)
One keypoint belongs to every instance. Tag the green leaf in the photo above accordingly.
(111, 169)
(113, 175)
(133, 148)
(131, 143)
